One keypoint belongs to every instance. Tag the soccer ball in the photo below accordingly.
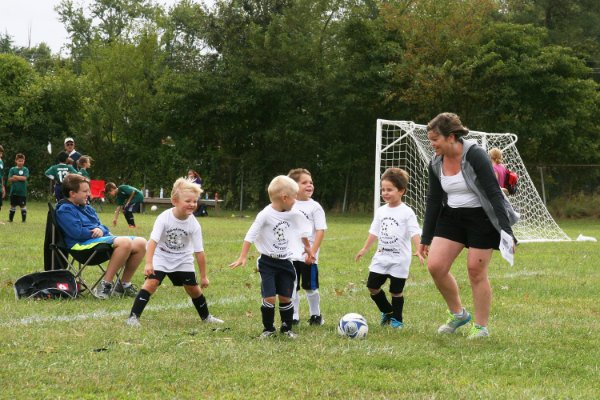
(154, 208)
(354, 326)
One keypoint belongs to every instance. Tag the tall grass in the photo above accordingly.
(544, 326)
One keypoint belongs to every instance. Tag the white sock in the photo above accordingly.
(462, 314)
(314, 301)
(296, 303)
(125, 284)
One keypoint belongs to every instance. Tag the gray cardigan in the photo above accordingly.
(478, 172)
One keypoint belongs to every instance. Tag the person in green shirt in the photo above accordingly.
(127, 197)
(83, 164)
(17, 176)
(58, 172)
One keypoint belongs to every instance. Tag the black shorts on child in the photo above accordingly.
(469, 226)
(178, 278)
(376, 281)
(16, 200)
(308, 275)
(276, 276)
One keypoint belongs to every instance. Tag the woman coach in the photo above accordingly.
(465, 208)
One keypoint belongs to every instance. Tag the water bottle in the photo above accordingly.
(161, 193)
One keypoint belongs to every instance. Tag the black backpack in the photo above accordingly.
(54, 284)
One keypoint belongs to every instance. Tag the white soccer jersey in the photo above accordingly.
(274, 232)
(314, 214)
(177, 241)
(394, 228)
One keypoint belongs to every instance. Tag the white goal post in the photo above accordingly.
(404, 144)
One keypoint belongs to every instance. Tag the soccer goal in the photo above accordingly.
(404, 144)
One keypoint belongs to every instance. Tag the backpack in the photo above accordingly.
(53, 284)
(510, 181)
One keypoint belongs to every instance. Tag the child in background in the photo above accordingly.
(127, 198)
(58, 172)
(499, 168)
(394, 225)
(18, 176)
(83, 164)
(2, 187)
(175, 240)
(274, 231)
(308, 274)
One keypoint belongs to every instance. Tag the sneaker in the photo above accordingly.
(453, 323)
(295, 322)
(103, 290)
(267, 334)
(316, 320)
(212, 320)
(290, 334)
(129, 291)
(385, 318)
(478, 331)
(394, 323)
(133, 321)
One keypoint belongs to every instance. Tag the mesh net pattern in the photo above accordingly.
(404, 144)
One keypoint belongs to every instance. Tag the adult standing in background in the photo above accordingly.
(70, 149)
(465, 208)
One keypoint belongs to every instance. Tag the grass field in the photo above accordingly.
(545, 341)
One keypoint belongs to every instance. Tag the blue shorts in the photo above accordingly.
(277, 277)
(88, 244)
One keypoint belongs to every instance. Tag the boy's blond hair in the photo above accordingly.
(185, 185)
(282, 184)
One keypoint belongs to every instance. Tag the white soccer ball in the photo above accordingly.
(154, 208)
(354, 326)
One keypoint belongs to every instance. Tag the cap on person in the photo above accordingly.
(69, 139)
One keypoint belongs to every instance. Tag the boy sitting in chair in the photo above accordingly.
(82, 229)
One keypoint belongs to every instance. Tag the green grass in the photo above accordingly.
(545, 341)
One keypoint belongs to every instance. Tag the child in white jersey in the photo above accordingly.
(175, 239)
(274, 232)
(308, 274)
(394, 226)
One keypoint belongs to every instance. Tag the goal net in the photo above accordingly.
(404, 144)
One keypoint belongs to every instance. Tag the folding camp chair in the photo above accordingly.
(77, 261)
(97, 193)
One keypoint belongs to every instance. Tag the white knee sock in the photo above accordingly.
(314, 301)
(296, 303)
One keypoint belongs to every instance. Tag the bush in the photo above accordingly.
(576, 206)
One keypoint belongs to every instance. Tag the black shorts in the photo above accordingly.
(376, 281)
(308, 276)
(178, 278)
(277, 276)
(469, 226)
(16, 200)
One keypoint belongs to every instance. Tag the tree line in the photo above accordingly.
(244, 90)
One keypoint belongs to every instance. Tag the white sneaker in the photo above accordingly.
(267, 334)
(290, 334)
(212, 320)
(103, 290)
(133, 322)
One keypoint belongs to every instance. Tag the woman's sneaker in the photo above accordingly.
(103, 290)
(478, 331)
(453, 323)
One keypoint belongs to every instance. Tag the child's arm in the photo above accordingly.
(243, 256)
(319, 235)
(129, 199)
(149, 267)
(201, 259)
(416, 239)
(368, 243)
(116, 217)
(310, 256)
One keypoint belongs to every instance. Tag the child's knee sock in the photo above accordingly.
(398, 305)
(314, 301)
(129, 218)
(296, 303)
(286, 311)
(11, 213)
(23, 214)
(140, 302)
(201, 307)
(268, 315)
(382, 302)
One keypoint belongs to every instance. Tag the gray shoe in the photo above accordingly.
(103, 290)
(129, 291)
(212, 320)
(133, 322)
(290, 334)
(267, 334)
(453, 323)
